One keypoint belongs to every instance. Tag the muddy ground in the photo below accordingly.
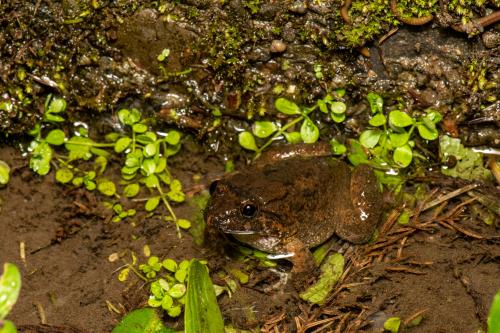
(443, 267)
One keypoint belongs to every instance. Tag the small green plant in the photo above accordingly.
(167, 279)
(308, 133)
(389, 141)
(145, 154)
(494, 315)
(10, 286)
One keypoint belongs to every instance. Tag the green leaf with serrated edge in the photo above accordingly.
(152, 203)
(427, 133)
(106, 187)
(378, 120)
(201, 313)
(55, 137)
(370, 138)
(286, 106)
(122, 144)
(309, 131)
(399, 139)
(247, 141)
(400, 119)
(4, 173)
(169, 264)
(376, 102)
(392, 324)
(183, 223)
(338, 107)
(144, 320)
(292, 137)
(173, 138)
(64, 175)
(403, 155)
(131, 190)
(10, 286)
(263, 129)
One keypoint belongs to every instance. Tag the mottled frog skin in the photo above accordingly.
(290, 205)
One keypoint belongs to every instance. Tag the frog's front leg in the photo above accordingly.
(359, 219)
(302, 259)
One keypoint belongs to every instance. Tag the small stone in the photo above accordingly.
(277, 46)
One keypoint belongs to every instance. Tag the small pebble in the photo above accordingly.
(277, 46)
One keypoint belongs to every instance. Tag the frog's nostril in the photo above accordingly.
(213, 186)
(249, 209)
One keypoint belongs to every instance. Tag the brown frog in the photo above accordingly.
(290, 205)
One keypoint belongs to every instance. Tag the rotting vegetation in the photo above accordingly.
(233, 76)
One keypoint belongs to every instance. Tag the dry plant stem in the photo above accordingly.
(414, 316)
(480, 23)
(449, 196)
(344, 11)
(409, 20)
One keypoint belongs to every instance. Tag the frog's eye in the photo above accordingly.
(248, 209)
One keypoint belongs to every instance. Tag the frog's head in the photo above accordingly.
(246, 209)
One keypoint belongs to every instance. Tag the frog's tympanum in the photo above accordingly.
(291, 205)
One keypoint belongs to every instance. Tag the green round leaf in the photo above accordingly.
(41, 157)
(10, 285)
(177, 291)
(64, 175)
(322, 106)
(378, 120)
(148, 166)
(292, 137)
(139, 128)
(427, 133)
(433, 115)
(106, 187)
(399, 139)
(132, 162)
(167, 302)
(123, 115)
(376, 102)
(161, 165)
(146, 138)
(338, 118)
(263, 129)
(151, 181)
(8, 327)
(169, 264)
(181, 274)
(338, 107)
(131, 190)
(129, 171)
(247, 141)
(285, 106)
(174, 311)
(154, 302)
(55, 137)
(309, 132)
(77, 181)
(4, 173)
(183, 223)
(173, 138)
(337, 147)
(369, 138)
(150, 150)
(403, 155)
(400, 119)
(122, 144)
(151, 204)
(56, 105)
